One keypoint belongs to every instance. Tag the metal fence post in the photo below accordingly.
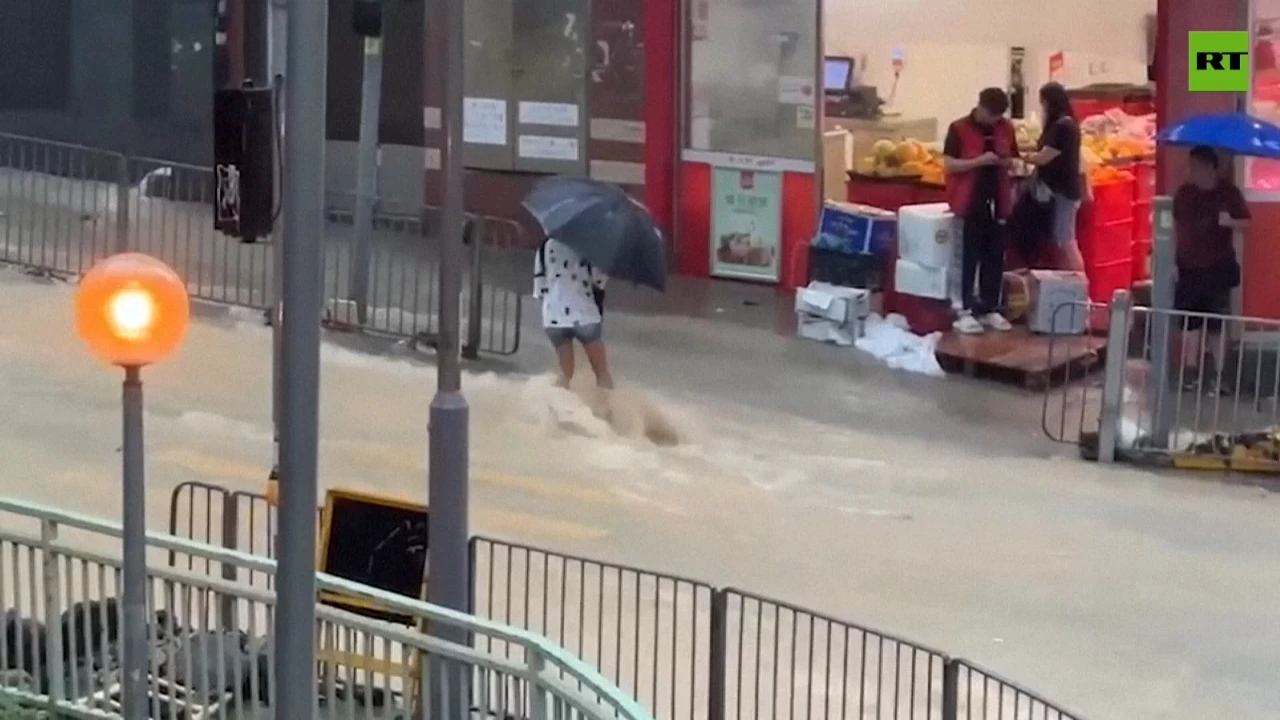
(474, 235)
(123, 185)
(1163, 267)
(950, 689)
(1113, 376)
(539, 696)
(55, 669)
(230, 540)
(718, 642)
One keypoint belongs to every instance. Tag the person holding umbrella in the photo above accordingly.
(594, 232)
(572, 294)
(1207, 212)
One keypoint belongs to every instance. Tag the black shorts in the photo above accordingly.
(1202, 291)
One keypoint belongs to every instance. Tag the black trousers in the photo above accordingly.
(983, 262)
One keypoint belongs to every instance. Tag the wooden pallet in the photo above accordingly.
(1021, 358)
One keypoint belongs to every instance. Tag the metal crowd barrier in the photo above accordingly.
(63, 207)
(684, 648)
(60, 650)
(1210, 400)
(1071, 405)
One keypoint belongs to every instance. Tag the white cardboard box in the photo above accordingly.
(928, 234)
(821, 329)
(1050, 291)
(833, 302)
(915, 279)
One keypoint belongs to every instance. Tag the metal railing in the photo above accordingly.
(1071, 404)
(1209, 400)
(684, 648)
(63, 207)
(60, 649)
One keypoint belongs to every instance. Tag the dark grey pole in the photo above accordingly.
(301, 274)
(447, 462)
(257, 49)
(366, 174)
(134, 540)
(1160, 399)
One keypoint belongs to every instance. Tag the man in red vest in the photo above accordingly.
(976, 157)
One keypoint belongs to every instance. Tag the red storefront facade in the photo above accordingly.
(1260, 247)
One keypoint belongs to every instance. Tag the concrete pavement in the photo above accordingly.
(931, 508)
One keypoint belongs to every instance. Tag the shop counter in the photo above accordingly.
(891, 193)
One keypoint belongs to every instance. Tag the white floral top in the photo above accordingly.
(566, 286)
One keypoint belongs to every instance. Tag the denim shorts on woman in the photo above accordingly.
(1064, 219)
(585, 334)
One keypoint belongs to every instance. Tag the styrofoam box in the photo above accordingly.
(1050, 291)
(927, 234)
(823, 330)
(915, 279)
(833, 302)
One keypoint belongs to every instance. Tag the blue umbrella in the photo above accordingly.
(1236, 133)
(603, 225)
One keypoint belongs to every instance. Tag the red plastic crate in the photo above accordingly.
(1112, 201)
(1085, 108)
(924, 315)
(1138, 107)
(1106, 243)
(1142, 222)
(1144, 182)
(1106, 278)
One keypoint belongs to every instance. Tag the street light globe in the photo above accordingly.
(132, 310)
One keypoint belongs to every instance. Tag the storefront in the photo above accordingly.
(1259, 248)
(768, 86)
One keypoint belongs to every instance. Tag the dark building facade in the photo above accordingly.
(125, 75)
(552, 86)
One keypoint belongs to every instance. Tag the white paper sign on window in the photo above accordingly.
(542, 147)
(795, 90)
(484, 121)
(545, 113)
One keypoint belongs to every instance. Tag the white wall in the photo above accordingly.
(954, 48)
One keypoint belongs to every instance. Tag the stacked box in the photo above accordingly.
(928, 250)
(831, 313)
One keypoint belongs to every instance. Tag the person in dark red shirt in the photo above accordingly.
(1207, 212)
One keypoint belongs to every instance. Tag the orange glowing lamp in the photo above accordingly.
(132, 310)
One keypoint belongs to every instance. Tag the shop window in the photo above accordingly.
(752, 67)
(35, 55)
(1264, 97)
(526, 85)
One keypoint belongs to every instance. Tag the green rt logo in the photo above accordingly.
(1219, 62)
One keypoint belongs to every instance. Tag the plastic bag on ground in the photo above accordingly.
(888, 340)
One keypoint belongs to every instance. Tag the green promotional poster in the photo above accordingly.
(1218, 62)
(746, 224)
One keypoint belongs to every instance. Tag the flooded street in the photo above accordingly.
(933, 510)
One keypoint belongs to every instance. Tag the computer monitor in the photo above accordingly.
(837, 74)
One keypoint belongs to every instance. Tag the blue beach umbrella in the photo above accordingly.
(1236, 133)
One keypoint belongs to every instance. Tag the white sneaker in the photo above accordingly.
(996, 321)
(967, 324)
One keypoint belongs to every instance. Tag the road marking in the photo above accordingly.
(413, 461)
(218, 468)
(517, 524)
(215, 467)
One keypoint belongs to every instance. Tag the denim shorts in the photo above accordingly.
(585, 334)
(1064, 219)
